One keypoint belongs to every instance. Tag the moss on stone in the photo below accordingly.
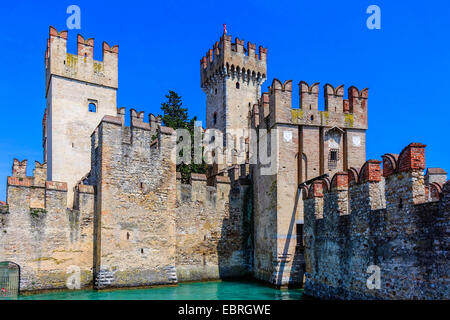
(296, 114)
(349, 120)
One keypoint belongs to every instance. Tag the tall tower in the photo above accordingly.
(231, 77)
(79, 92)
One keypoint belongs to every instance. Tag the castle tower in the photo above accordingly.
(231, 77)
(79, 92)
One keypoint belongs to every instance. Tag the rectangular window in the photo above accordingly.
(333, 158)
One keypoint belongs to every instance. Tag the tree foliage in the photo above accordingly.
(176, 117)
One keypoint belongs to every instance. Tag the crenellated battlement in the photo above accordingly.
(385, 217)
(339, 112)
(232, 60)
(137, 124)
(35, 192)
(80, 66)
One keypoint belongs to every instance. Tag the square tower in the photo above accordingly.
(79, 92)
(231, 77)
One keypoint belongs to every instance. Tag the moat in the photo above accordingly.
(216, 290)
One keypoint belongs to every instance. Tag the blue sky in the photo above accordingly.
(406, 64)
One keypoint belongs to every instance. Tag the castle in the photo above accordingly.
(108, 206)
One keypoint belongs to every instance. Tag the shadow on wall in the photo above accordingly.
(297, 268)
(235, 246)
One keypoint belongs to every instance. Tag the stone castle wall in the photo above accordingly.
(134, 175)
(213, 229)
(361, 219)
(49, 242)
(133, 224)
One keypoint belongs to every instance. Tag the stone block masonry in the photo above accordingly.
(106, 204)
(43, 237)
(134, 226)
(79, 92)
(213, 238)
(367, 217)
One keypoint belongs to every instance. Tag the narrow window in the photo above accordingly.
(238, 85)
(333, 158)
(312, 118)
(215, 91)
(333, 155)
(142, 251)
(92, 107)
(128, 236)
(214, 118)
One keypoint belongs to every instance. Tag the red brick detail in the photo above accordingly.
(198, 177)
(370, 171)
(107, 48)
(54, 33)
(20, 181)
(389, 164)
(83, 44)
(83, 188)
(412, 158)
(222, 179)
(356, 97)
(316, 189)
(339, 180)
(55, 185)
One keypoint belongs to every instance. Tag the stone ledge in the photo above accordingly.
(20, 181)
(83, 188)
(55, 185)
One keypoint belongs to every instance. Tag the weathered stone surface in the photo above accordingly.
(388, 225)
(212, 230)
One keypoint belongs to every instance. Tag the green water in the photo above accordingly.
(226, 290)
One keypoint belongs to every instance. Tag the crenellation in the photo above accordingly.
(19, 168)
(334, 101)
(386, 226)
(107, 198)
(309, 96)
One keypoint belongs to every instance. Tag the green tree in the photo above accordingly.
(176, 117)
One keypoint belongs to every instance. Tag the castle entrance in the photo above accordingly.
(9, 279)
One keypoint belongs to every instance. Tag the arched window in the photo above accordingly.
(238, 85)
(92, 107)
